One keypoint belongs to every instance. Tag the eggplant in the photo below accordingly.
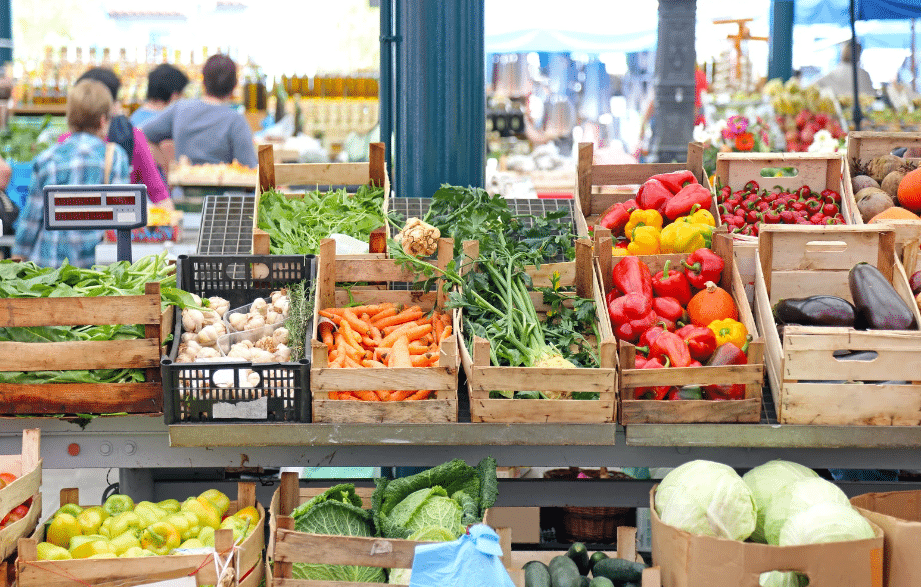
(816, 311)
(879, 306)
(915, 282)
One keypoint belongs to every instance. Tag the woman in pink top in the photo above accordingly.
(143, 168)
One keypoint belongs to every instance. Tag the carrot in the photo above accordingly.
(427, 339)
(399, 356)
(407, 315)
(388, 313)
(422, 360)
(351, 338)
(421, 394)
(333, 395)
(337, 319)
(383, 395)
(351, 363)
(445, 333)
(368, 396)
(417, 348)
(411, 333)
(400, 395)
(347, 395)
(376, 335)
(356, 323)
(338, 362)
(325, 330)
(372, 364)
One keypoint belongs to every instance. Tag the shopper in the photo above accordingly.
(841, 79)
(83, 158)
(207, 130)
(165, 84)
(132, 140)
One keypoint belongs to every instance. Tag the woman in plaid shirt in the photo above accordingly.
(79, 160)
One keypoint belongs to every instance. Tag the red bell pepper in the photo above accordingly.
(615, 218)
(727, 354)
(669, 309)
(631, 275)
(701, 341)
(656, 392)
(703, 265)
(670, 345)
(648, 337)
(631, 315)
(675, 180)
(673, 284)
(684, 201)
(652, 195)
(639, 361)
(685, 392)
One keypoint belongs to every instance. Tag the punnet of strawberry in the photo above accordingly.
(744, 210)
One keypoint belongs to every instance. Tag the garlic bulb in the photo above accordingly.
(221, 329)
(275, 295)
(254, 322)
(259, 306)
(282, 353)
(193, 347)
(192, 320)
(253, 379)
(247, 343)
(281, 335)
(241, 352)
(281, 305)
(273, 317)
(187, 336)
(197, 299)
(208, 336)
(219, 305)
(211, 317)
(208, 353)
(261, 356)
(238, 321)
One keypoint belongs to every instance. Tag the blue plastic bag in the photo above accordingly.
(471, 561)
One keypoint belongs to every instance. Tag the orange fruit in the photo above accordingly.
(712, 303)
(910, 191)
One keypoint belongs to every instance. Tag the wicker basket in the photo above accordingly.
(592, 524)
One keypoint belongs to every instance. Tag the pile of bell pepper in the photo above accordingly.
(670, 214)
(650, 311)
(121, 528)
(742, 211)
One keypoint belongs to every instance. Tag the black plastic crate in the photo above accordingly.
(190, 393)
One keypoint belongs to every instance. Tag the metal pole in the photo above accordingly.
(386, 94)
(858, 116)
(780, 59)
(6, 32)
(675, 84)
(914, 65)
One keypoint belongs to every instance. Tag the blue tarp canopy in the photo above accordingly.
(553, 41)
(838, 11)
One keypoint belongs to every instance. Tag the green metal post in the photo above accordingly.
(6, 31)
(780, 59)
(387, 39)
(440, 117)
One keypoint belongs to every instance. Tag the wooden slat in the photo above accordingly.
(266, 170)
(566, 273)
(425, 300)
(128, 571)
(79, 311)
(412, 412)
(348, 270)
(94, 354)
(541, 378)
(299, 547)
(728, 374)
(865, 145)
(633, 174)
(326, 274)
(584, 177)
(734, 169)
(80, 398)
(565, 411)
(584, 275)
(851, 405)
(262, 242)
(377, 165)
(689, 411)
(312, 174)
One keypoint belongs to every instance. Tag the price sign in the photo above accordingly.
(95, 207)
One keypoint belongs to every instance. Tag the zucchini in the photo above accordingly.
(579, 555)
(601, 582)
(536, 574)
(597, 556)
(618, 570)
(564, 572)
(583, 581)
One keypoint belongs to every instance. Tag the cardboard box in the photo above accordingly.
(898, 513)
(688, 560)
(523, 522)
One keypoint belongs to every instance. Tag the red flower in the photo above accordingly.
(745, 142)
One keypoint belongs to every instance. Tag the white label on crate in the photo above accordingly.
(252, 410)
(180, 582)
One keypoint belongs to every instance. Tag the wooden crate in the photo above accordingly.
(598, 187)
(817, 170)
(633, 411)
(97, 398)
(127, 572)
(347, 174)
(27, 466)
(626, 549)
(483, 377)
(867, 145)
(323, 379)
(287, 546)
(799, 261)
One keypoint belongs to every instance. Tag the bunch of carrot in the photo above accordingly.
(381, 336)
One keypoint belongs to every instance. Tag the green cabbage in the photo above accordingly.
(797, 497)
(783, 579)
(452, 496)
(825, 522)
(336, 512)
(402, 576)
(766, 481)
(706, 498)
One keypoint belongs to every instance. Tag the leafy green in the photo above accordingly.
(19, 141)
(337, 512)
(297, 225)
(408, 504)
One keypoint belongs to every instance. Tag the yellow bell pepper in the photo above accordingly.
(160, 538)
(91, 519)
(219, 500)
(729, 330)
(620, 252)
(62, 528)
(681, 237)
(52, 552)
(645, 241)
(642, 218)
(701, 216)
